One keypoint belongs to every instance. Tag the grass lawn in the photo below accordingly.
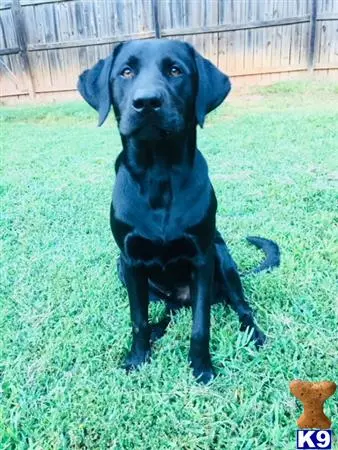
(64, 318)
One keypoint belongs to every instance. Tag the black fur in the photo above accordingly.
(163, 211)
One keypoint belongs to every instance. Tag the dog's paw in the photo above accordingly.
(204, 375)
(135, 360)
(202, 370)
(258, 337)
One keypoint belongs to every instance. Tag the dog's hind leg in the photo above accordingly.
(229, 286)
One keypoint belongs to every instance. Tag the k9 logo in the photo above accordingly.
(314, 439)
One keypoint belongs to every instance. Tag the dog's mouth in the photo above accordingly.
(150, 128)
(153, 132)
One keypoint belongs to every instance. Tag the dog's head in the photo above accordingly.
(156, 87)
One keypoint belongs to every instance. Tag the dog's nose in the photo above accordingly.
(147, 101)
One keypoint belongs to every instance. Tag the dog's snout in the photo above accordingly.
(147, 100)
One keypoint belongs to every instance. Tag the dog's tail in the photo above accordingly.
(271, 251)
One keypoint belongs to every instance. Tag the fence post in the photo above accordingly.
(313, 35)
(20, 31)
(156, 15)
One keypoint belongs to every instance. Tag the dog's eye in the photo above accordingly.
(175, 71)
(127, 73)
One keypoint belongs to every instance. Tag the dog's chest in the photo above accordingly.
(157, 223)
(158, 252)
(163, 208)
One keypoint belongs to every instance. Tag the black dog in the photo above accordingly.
(164, 206)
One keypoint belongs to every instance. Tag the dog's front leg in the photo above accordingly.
(137, 286)
(199, 354)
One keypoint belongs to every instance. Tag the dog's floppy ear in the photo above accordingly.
(94, 86)
(212, 88)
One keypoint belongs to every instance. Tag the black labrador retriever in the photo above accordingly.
(164, 206)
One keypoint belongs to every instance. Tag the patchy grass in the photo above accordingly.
(64, 317)
(299, 87)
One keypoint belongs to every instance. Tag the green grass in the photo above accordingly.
(64, 316)
(299, 87)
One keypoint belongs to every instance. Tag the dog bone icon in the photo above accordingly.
(313, 396)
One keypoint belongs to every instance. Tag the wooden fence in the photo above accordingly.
(45, 44)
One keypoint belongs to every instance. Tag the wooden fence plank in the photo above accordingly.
(236, 27)
(313, 34)
(21, 37)
(89, 42)
(9, 51)
(156, 18)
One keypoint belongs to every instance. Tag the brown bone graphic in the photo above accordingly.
(313, 396)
